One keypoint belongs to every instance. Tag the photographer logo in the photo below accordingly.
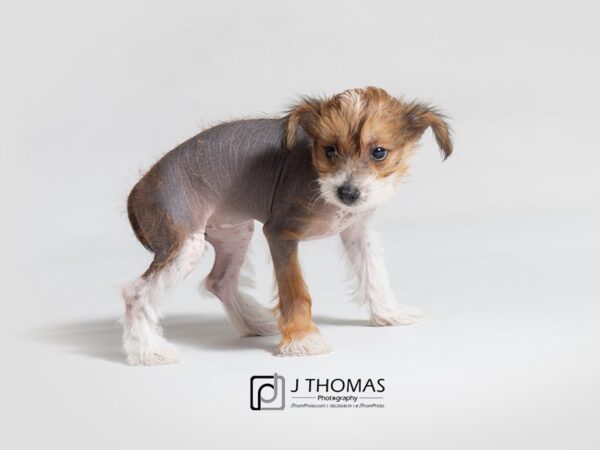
(267, 392)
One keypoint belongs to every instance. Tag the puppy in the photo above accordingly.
(318, 171)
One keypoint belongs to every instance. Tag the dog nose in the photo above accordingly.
(348, 194)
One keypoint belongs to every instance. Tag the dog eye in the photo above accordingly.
(330, 151)
(379, 153)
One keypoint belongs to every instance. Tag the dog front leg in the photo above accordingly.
(299, 334)
(373, 287)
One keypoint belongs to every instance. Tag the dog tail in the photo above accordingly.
(137, 230)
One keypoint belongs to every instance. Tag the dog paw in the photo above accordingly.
(159, 353)
(310, 344)
(400, 315)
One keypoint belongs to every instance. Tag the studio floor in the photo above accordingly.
(507, 349)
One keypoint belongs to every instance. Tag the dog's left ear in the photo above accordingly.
(303, 114)
(420, 116)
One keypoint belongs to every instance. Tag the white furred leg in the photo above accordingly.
(373, 288)
(247, 315)
(142, 335)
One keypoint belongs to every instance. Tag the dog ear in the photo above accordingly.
(304, 115)
(420, 116)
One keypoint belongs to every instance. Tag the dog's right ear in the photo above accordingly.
(303, 114)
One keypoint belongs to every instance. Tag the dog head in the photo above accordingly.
(362, 141)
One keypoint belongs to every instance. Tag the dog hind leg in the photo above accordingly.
(142, 335)
(231, 245)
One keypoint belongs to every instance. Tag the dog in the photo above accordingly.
(319, 170)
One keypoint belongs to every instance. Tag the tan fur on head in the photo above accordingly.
(355, 121)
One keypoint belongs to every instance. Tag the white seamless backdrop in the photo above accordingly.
(498, 245)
